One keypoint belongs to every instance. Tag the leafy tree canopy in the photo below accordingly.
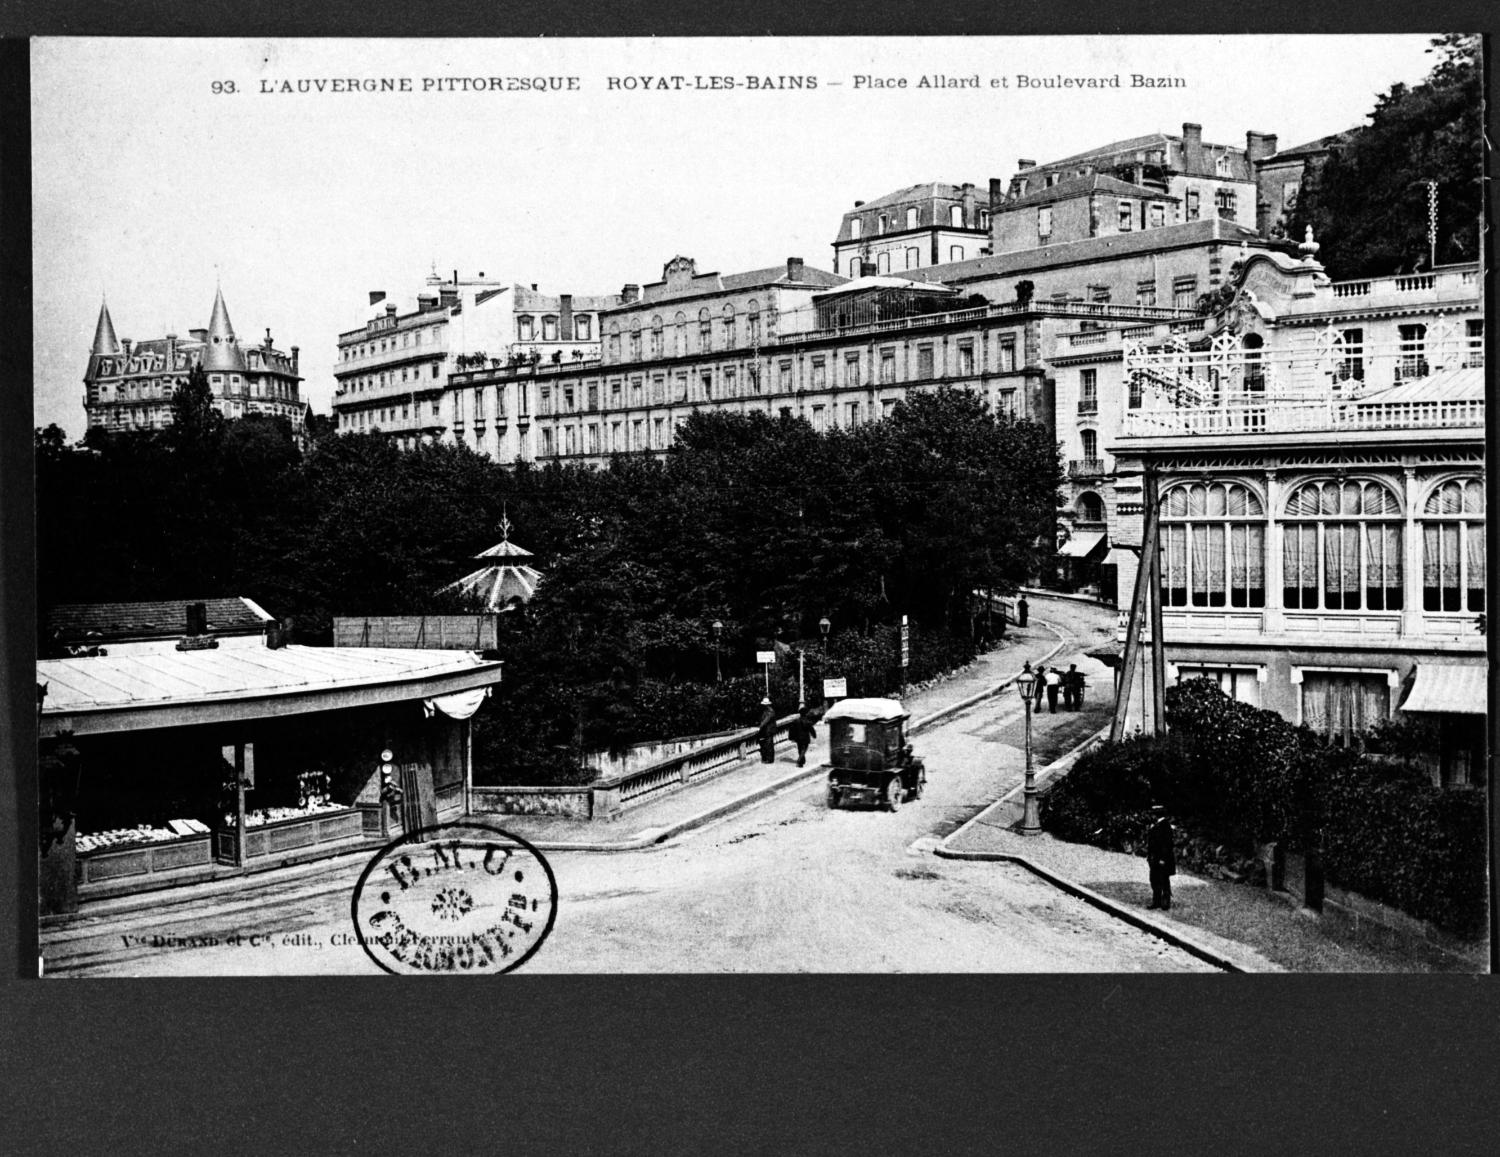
(1368, 204)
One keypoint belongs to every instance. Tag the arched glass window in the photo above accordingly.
(752, 321)
(1213, 546)
(614, 340)
(1453, 547)
(913, 257)
(728, 322)
(705, 330)
(1090, 508)
(1090, 440)
(681, 323)
(524, 329)
(1341, 547)
(635, 338)
(656, 350)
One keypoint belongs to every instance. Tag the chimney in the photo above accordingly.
(967, 196)
(125, 344)
(390, 309)
(533, 287)
(997, 195)
(197, 619)
(629, 293)
(1192, 148)
(1259, 146)
(794, 269)
(565, 316)
(1024, 163)
(294, 359)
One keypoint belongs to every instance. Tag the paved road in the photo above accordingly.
(786, 886)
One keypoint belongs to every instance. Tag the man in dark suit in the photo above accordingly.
(1161, 858)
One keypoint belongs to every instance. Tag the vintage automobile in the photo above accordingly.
(870, 760)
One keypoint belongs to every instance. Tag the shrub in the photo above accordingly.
(1235, 775)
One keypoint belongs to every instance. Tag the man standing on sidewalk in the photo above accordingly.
(1054, 685)
(1161, 858)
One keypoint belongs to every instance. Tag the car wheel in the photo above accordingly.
(895, 791)
(916, 792)
(833, 797)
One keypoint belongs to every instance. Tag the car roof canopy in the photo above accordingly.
(867, 710)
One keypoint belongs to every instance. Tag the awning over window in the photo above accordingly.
(458, 706)
(1082, 544)
(1448, 688)
(1118, 555)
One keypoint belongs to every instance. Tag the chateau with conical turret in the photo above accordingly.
(129, 385)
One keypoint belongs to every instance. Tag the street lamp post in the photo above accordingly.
(1031, 823)
(718, 629)
(823, 628)
(801, 693)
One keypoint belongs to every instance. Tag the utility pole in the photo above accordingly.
(1145, 605)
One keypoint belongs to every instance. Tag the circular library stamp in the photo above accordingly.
(454, 899)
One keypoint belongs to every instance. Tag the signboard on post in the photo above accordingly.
(765, 656)
(835, 688)
(905, 642)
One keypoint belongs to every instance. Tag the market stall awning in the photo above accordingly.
(130, 692)
(1082, 544)
(1448, 688)
(1118, 555)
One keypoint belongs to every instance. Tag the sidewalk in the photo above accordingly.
(741, 784)
(1238, 927)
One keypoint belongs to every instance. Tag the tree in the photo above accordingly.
(195, 418)
(1368, 204)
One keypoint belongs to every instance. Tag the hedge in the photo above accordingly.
(1234, 776)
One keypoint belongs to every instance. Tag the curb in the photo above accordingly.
(1171, 936)
(1088, 895)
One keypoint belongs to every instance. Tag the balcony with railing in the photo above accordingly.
(1086, 469)
(1083, 310)
(1449, 284)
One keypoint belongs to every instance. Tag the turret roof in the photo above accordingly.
(221, 350)
(105, 342)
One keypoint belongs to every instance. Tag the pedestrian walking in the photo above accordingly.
(1021, 611)
(766, 732)
(1072, 688)
(1161, 858)
(1041, 686)
(802, 731)
(1054, 685)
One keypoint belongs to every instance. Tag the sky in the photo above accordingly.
(151, 188)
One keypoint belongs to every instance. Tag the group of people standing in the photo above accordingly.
(1051, 682)
(800, 731)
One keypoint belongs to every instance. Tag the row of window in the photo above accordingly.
(526, 327)
(911, 255)
(389, 345)
(1342, 547)
(375, 381)
(679, 340)
(848, 370)
(886, 222)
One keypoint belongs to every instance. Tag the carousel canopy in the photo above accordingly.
(501, 581)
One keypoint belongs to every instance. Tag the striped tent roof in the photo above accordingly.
(496, 584)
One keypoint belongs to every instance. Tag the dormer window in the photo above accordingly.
(911, 218)
(956, 216)
(854, 224)
(524, 328)
(1221, 165)
(884, 222)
